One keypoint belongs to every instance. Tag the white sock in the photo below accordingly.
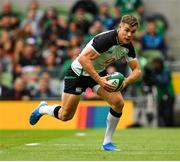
(112, 123)
(48, 109)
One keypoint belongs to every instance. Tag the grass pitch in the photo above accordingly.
(61, 145)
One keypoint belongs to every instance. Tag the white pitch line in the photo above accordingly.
(32, 144)
(66, 144)
(80, 134)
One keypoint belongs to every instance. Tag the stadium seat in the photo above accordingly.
(151, 54)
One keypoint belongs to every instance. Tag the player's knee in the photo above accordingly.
(66, 117)
(119, 104)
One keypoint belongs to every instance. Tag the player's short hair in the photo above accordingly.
(129, 19)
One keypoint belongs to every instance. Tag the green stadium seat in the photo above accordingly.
(151, 54)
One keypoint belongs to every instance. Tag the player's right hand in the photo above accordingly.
(106, 85)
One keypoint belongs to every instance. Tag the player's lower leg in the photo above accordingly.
(42, 109)
(112, 122)
(52, 110)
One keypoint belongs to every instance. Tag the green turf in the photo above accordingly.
(135, 144)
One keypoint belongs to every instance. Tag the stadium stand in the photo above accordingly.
(38, 41)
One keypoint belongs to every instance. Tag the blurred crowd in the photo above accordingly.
(38, 45)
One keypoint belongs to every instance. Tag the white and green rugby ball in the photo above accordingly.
(116, 79)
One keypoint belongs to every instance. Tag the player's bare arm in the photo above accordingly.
(85, 59)
(136, 72)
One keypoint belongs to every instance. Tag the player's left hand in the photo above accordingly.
(124, 85)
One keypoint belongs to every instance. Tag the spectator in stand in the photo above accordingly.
(89, 6)
(9, 20)
(34, 23)
(4, 92)
(49, 13)
(77, 40)
(34, 5)
(116, 16)
(151, 40)
(43, 91)
(4, 36)
(18, 49)
(94, 29)
(139, 13)
(55, 84)
(19, 91)
(23, 32)
(8, 44)
(79, 17)
(159, 75)
(29, 55)
(128, 6)
(162, 23)
(33, 27)
(73, 29)
(134, 7)
(104, 16)
(50, 66)
(52, 47)
(166, 95)
(55, 32)
(29, 63)
(5, 68)
(72, 53)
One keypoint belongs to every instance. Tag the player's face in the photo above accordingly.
(126, 33)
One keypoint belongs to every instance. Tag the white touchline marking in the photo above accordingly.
(32, 144)
(72, 144)
(80, 134)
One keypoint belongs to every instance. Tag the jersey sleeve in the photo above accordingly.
(131, 55)
(102, 42)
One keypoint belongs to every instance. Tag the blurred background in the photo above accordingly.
(40, 38)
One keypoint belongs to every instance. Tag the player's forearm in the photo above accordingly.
(88, 67)
(135, 75)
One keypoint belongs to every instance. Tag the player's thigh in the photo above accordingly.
(70, 103)
(115, 99)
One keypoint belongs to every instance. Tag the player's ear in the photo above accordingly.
(119, 26)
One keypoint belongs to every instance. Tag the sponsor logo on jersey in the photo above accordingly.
(109, 61)
(111, 49)
(124, 50)
(78, 89)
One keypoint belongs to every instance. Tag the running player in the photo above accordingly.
(88, 70)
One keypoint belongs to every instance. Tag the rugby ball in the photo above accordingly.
(116, 79)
